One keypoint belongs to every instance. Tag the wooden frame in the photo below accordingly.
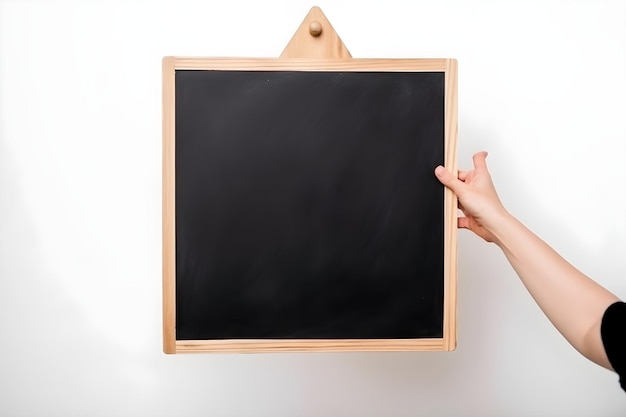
(343, 63)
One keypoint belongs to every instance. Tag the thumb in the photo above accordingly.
(446, 178)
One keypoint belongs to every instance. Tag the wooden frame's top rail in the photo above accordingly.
(310, 64)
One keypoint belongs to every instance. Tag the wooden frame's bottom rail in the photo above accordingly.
(308, 345)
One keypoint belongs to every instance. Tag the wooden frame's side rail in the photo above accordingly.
(450, 206)
(169, 218)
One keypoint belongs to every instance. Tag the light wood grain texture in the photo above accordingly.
(448, 342)
(450, 207)
(169, 227)
(308, 64)
(314, 47)
(316, 38)
(313, 345)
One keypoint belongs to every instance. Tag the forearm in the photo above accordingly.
(573, 302)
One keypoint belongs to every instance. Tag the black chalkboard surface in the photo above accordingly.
(306, 208)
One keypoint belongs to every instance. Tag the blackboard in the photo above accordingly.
(305, 210)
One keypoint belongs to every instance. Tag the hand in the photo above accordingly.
(478, 199)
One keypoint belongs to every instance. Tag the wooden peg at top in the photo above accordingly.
(315, 28)
(316, 38)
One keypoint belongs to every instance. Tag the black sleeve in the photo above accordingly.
(613, 332)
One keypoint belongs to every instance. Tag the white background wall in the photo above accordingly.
(541, 86)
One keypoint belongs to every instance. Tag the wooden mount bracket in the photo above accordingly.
(316, 38)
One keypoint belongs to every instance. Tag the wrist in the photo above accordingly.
(499, 225)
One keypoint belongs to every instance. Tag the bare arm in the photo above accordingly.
(573, 302)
